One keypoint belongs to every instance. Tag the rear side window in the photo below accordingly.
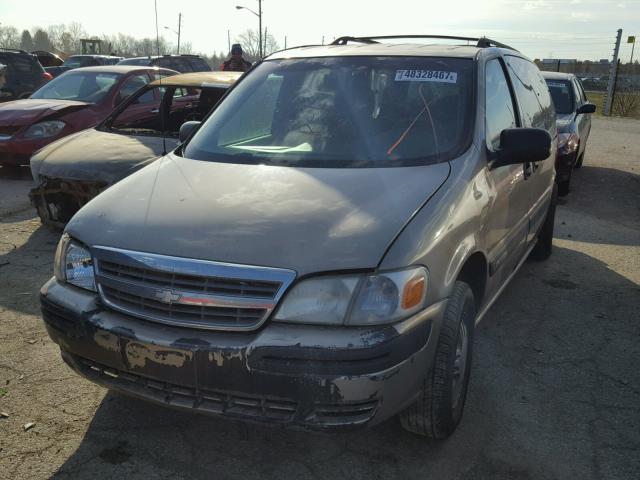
(536, 109)
(499, 109)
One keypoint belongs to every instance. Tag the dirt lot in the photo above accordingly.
(555, 388)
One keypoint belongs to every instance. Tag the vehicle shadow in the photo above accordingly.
(593, 192)
(25, 267)
(547, 375)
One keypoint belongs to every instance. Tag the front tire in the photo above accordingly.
(438, 411)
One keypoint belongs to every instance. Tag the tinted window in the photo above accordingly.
(536, 109)
(20, 65)
(78, 85)
(561, 94)
(199, 65)
(80, 61)
(343, 111)
(135, 61)
(499, 109)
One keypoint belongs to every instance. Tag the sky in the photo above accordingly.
(583, 29)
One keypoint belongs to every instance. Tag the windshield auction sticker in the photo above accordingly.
(557, 85)
(426, 76)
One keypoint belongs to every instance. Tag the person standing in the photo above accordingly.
(236, 63)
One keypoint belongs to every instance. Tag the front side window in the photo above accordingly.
(142, 116)
(532, 93)
(343, 112)
(81, 86)
(500, 113)
(561, 95)
(132, 85)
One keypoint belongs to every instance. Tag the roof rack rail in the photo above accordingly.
(481, 42)
(14, 50)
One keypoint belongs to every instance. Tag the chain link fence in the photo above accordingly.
(595, 78)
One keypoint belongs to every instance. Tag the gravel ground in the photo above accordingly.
(555, 387)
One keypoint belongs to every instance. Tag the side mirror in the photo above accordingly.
(522, 145)
(586, 108)
(186, 129)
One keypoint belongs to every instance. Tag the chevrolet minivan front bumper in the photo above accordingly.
(311, 376)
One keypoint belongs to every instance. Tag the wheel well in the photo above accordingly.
(474, 274)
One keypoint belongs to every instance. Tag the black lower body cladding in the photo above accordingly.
(309, 376)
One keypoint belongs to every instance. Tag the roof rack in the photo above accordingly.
(481, 42)
(13, 50)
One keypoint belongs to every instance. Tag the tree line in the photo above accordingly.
(64, 40)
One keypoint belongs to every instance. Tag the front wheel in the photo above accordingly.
(438, 411)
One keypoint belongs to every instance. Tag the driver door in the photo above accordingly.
(507, 220)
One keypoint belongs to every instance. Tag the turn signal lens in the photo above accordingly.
(413, 293)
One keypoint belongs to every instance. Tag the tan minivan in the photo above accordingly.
(319, 250)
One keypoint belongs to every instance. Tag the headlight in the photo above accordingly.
(73, 264)
(567, 143)
(356, 300)
(44, 129)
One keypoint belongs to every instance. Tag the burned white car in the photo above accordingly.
(73, 170)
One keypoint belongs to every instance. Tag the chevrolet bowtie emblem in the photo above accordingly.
(168, 296)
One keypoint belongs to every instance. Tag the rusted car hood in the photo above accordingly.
(305, 219)
(29, 111)
(93, 155)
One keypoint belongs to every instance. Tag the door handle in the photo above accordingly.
(154, 110)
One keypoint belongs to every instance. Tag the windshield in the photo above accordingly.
(561, 95)
(81, 86)
(342, 111)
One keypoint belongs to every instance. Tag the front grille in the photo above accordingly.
(192, 283)
(205, 315)
(186, 292)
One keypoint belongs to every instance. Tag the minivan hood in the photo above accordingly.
(305, 219)
(93, 155)
(31, 110)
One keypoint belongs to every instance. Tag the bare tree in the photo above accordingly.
(626, 102)
(250, 41)
(9, 37)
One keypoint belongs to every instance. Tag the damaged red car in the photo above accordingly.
(74, 101)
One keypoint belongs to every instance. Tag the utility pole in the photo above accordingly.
(228, 42)
(179, 27)
(613, 73)
(260, 27)
(265, 40)
(632, 41)
(285, 42)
